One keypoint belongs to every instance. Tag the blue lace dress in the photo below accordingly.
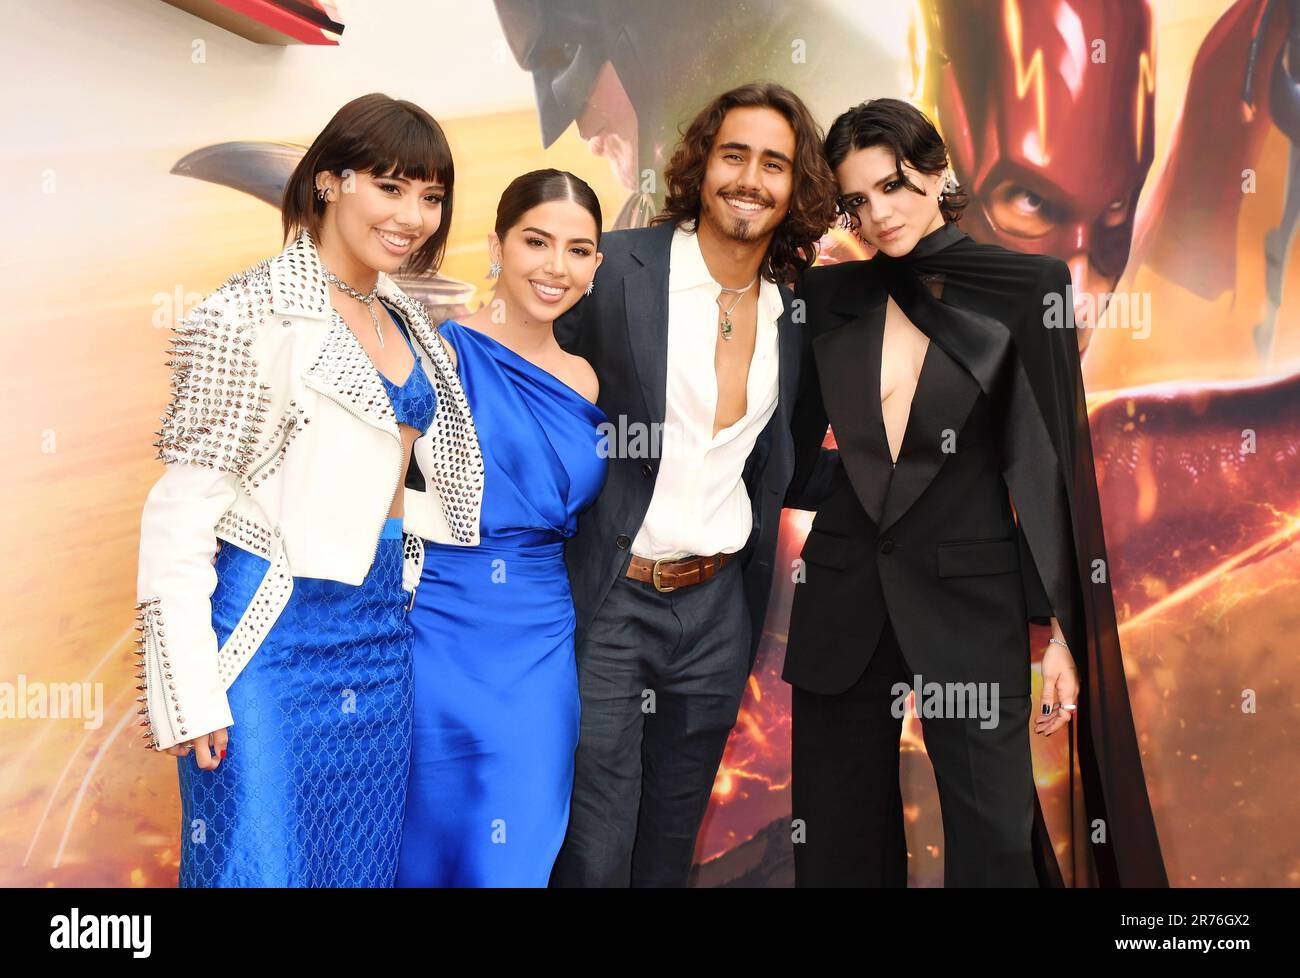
(312, 789)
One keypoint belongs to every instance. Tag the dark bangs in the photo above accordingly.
(384, 137)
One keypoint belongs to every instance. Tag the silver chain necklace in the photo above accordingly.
(369, 300)
(726, 313)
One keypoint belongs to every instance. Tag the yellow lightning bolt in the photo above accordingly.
(1146, 85)
(1027, 75)
(919, 47)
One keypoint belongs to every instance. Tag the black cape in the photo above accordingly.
(1026, 361)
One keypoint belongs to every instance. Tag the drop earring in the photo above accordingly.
(948, 186)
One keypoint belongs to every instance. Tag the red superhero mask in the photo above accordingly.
(1048, 109)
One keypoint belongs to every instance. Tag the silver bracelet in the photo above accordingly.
(1056, 641)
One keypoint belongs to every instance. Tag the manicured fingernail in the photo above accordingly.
(223, 755)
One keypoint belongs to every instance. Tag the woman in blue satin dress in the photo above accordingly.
(496, 711)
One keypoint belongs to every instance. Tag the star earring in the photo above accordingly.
(591, 287)
(494, 270)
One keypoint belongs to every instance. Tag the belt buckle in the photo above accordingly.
(654, 575)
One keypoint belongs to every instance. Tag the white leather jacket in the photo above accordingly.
(280, 439)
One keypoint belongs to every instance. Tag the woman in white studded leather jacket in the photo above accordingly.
(274, 575)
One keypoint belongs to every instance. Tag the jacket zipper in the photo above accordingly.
(154, 679)
(288, 430)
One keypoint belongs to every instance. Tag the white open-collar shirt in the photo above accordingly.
(700, 505)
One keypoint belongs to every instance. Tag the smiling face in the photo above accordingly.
(379, 221)
(547, 259)
(891, 217)
(749, 175)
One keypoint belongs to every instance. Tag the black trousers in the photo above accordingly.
(845, 796)
(661, 677)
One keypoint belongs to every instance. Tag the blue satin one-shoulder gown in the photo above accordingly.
(496, 708)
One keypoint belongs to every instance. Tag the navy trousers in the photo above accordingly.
(661, 677)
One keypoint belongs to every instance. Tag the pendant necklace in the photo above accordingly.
(368, 300)
(726, 313)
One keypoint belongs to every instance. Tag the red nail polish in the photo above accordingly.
(223, 755)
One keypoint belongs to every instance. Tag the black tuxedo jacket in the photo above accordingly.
(931, 544)
(621, 329)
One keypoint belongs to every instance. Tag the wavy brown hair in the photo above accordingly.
(793, 248)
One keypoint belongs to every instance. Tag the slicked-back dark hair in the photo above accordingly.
(904, 130)
(540, 187)
(383, 136)
(812, 200)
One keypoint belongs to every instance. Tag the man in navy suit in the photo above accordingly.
(690, 330)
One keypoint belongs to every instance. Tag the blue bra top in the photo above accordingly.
(415, 401)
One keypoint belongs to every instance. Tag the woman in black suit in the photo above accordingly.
(959, 505)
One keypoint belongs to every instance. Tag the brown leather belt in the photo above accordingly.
(669, 574)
